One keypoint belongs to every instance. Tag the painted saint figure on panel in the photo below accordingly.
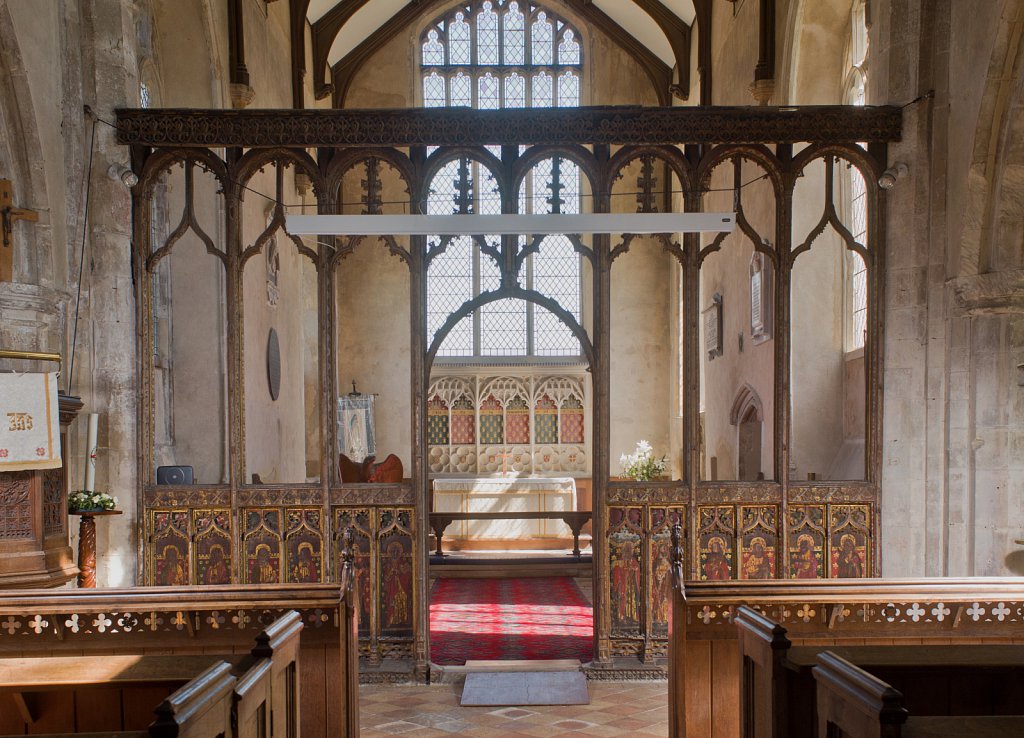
(396, 586)
(626, 567)
(263, 567)
(716, 566)
(170, 567)
(758, 562)
(805, 562)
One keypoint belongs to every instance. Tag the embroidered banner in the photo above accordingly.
(29, 422)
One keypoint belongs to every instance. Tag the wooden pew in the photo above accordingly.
(854, 704)
(704, 662)
(763, 687)
(200, 709)
(279, 645)
(187, 621)
(252, 700)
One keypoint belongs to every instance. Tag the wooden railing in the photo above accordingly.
(704, 662)
(439, 521)
(217, 620)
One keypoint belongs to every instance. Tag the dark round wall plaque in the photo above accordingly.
(273, 364)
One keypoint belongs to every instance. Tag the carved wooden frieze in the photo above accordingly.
(647, 494)
(264, 497)
(851, 492)
(167, 496)
(745, 492)
(553, 126)
(372, 494)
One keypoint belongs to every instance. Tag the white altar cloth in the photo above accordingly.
(506, 494)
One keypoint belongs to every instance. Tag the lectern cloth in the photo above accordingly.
(29, 422)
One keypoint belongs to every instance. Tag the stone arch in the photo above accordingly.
(993, 219)
(747, 414)
(812, 63)
(21, 161)
(746, 405)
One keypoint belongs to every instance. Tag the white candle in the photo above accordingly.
(90, 452)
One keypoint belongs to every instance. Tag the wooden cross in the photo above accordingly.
(8, 215)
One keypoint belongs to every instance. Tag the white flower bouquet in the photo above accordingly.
(82, 500)
(641, 465)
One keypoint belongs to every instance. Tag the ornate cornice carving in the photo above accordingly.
(373, 494)
(456, 127)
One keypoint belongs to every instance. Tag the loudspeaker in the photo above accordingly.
(174, 475)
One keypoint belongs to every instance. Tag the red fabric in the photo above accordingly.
(528, 618)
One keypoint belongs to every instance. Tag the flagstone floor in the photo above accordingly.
(615, 709)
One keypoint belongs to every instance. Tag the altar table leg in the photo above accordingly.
(87, 552)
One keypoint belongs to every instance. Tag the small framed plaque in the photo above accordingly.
(712, 316)
(761, 297)
(273, 364)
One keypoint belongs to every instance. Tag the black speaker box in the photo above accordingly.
(174, 475)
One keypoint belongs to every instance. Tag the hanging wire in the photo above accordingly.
(81, 261)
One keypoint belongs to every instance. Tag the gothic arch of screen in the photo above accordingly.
(508, 373)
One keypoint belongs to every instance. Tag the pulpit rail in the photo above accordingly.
(439, 521)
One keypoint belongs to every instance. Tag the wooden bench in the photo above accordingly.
(937, 679)
(854, 703)
(705, 664)
(319, 663)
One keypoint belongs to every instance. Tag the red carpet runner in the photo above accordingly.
(530, 618)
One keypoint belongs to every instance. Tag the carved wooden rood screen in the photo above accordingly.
(630, 159)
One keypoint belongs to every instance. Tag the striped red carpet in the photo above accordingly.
(529, 618)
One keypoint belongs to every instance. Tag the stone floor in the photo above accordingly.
(615, 709)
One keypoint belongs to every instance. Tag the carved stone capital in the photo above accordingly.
(762, 90)
(991, 293)
(241, 95)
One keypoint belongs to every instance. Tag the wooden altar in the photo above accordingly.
(505, 494)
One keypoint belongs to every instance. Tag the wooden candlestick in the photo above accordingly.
(87, 545)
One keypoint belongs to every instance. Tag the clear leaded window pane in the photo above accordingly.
(433, 91)
(542, 89)
(515, 91)
(858, 270)
(460, 53)
(460, 50)
(515, 35)
(487, 36)
(542, 48)
(462, 91)
(568, 49)
(568, 90)
(433, 49)
(488, 92)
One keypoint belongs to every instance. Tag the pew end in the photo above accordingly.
(200, 709)
(851, 702)
(763, 646)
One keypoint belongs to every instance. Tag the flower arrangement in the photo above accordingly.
(82, 500)
(641, 465)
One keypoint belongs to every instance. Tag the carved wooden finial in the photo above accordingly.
(8, 215)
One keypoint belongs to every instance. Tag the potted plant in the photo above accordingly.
(85, 501)
(641, 466)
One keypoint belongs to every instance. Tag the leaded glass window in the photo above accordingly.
(493, 54)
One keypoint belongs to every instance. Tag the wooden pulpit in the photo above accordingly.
(34, 545)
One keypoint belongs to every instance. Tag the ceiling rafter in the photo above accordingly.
(326, 29)
(677, 31)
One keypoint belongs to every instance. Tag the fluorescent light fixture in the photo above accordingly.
(512, 225)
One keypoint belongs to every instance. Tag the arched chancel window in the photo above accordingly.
(491, 54)
(855, 191)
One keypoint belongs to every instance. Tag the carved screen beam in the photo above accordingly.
(552, 126)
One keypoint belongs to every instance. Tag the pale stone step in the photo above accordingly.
(514, 665)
